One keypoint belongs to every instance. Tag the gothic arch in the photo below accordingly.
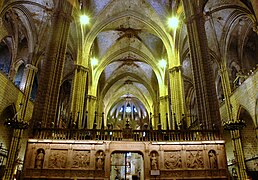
(6, 133)
(249, 142)
(6, 54)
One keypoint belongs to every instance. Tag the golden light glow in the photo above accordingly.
(163, 63)
(173, 22)
(84, 19)
(94, 61)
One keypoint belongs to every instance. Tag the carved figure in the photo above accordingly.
(100, 161)
(213, 159)
(154, 161)
(81, 159)
(39, 159)
(57, 159)
(174, 161)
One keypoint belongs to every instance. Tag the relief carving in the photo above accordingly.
(172, 160)
(213, 159)
(154, 160)
(195, 159)
(57, 159)
(39, 160)
(81, 159)
(100, 160)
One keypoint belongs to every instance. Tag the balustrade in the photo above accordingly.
(120, 135)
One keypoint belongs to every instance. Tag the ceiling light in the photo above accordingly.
(173, 22)
(94, 61)
(163, 63)
(84, 19)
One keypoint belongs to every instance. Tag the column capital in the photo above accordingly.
(175, 68)
(163, 97)
(32, 67)
(82, 68)
(91, 97)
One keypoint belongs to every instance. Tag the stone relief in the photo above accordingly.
(154, 160)
(81, 159)
(195, 159)
(213, 159)
(100, 160)
(172, 160)
(39, 160)
(57, 159)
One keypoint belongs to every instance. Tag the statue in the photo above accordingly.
(100, 161)
(213, 159)
(39, 159)
(154, 161)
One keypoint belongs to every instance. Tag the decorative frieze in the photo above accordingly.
(93, 159)
(57, 158)
(172, 160)
(81, 159)
(194, 159)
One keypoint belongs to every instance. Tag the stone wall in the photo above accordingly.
(11, 95)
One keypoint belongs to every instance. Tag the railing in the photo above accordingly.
(127, 134)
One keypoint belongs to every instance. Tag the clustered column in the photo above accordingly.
(163, 101)
(78, 94)
(91, 107)
(207, 103)
(45, 107)
(176, 81)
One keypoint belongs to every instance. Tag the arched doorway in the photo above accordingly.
(249, 142)
(127, 166)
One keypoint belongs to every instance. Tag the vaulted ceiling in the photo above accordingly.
(129, 38)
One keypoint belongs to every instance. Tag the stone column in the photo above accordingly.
(239, 154)
(12, 154)
(163, 103)
(235, 134)
(177, 94)
(78, 93)
(26, 87)
(226, 89)
(208, 109)
(91, 108)
(17, 134)
(46, 103)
